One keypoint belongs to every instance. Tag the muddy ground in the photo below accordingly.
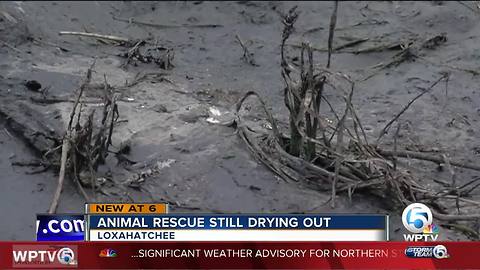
(204, 167)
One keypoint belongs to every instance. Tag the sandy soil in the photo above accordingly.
(205, 167)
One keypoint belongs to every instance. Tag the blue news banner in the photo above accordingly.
(226, 222)
(73, 227)
(250, 227)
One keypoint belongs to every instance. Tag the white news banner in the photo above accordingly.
(268, 235)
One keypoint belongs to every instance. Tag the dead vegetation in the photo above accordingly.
(247, 56)
(138, 51)
(336, 155)
(75, 149)
(85, 145)
(165, 26)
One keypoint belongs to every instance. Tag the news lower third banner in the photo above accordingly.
(240, 255)
(153, 222)
(221, 227)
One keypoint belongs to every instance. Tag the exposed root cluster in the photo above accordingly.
(86, 145)
(336, 155)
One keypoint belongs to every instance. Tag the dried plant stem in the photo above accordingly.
(94, 35)
(61, 177)
(427, 157)
(67, 141)
(352, 164)
(333, 22)
(166, 26)
(405, 108)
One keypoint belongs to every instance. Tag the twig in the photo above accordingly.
(450, 169)
(339, 48)
(467, 6)
(164, 26)
(28, 163)
(463, 69)
(446, 92)
(94, 35)
(7, 133)
(288, 21)
(93, 176)
(395, 146)
(312, 30)
(82, 89)
(453, 186)
(247, 55)
(66, 144)
(10, 46)
(387, 126)
(77, 181)
(333, 22)
(133, 51)
(54, 100)
(455, 217)
(339, 147)
(350, 44)
(427, 157)
(61, 177)
(270, 117)
(463, 229)
(356, 119)
(37, 171)
(51, 44)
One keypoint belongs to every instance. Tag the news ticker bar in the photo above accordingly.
(240, 255)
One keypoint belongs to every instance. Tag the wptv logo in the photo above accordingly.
(417, 218)
(44, 256)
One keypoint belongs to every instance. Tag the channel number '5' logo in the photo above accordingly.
(416, 217)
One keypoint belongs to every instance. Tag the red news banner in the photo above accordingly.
(235, 255)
